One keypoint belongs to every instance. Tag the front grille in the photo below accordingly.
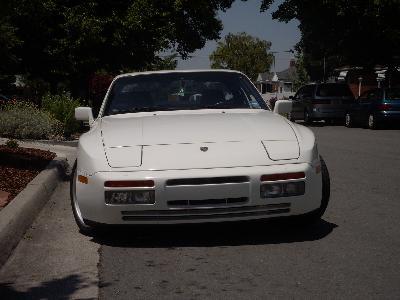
(207, 202)
(207, 180)
(205, 213)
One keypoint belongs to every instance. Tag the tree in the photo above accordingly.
(244, 53)
(66, 40)
(344, 32)
(168, 62)
(8, 43)
(301, 77)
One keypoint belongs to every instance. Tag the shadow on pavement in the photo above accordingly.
(62, 288)
(209, 235)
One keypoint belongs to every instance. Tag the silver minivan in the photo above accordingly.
(322, 101)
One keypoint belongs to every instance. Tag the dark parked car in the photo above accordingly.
(375, 108)
(323, 101)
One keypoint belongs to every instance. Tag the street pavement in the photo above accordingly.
(354, 252)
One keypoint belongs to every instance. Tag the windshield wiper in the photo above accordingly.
(224, 105)
(166, 108)
(154, 108)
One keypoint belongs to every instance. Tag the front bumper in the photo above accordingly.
(388, 116)
(246, 204)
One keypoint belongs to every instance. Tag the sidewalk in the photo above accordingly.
(61, 149)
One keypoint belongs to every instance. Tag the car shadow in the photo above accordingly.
(324, 124)
(209, 235)
(313, 124)
(60, 288)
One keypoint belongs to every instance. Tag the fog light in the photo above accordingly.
(287, 189)
(129, 197)
(83, 179)
(271, 190)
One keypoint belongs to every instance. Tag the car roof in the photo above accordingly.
(177, 71)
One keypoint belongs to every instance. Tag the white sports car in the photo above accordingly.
(193, 146)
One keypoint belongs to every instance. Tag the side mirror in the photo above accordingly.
(283, 107)
(84, 114)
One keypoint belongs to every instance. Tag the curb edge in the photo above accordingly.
(20, 213)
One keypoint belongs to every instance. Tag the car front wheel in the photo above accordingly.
(83, 227)
(316, 215)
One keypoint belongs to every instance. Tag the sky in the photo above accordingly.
(246, 17)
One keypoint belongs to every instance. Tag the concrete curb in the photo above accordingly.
(70, 143)
(20, 213)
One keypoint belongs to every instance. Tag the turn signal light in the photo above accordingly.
(83, 179)
(129, 183)
(283, 176)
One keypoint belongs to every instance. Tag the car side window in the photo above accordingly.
(308, 91)
(299, 92)
(305, 92)
(368, 96)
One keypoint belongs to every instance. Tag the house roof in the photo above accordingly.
(287, 75)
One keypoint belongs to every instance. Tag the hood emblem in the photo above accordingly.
(204, 149)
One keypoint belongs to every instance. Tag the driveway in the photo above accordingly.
(354, 252)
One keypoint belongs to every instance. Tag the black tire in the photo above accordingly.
(307, 118)
(83, 227)
(348, 121)
(316, 215)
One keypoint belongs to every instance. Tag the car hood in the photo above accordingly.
(238, 137)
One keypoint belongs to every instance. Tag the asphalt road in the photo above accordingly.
(354, 252)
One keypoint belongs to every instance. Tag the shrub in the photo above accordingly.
(11, 143)
(22, 120)
(62, 107)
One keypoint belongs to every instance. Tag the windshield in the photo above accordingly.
(334, 90)
(182, 91)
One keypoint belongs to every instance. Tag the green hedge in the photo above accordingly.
(62, 107)
(23, 120)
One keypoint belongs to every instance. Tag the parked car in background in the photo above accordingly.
(375, 108)
(190, 147)
(324, 101)
(3, 100)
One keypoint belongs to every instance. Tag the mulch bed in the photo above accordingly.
(18, 166)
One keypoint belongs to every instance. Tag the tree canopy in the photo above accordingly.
(58, 40)
(244, 53)
(344, 32)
